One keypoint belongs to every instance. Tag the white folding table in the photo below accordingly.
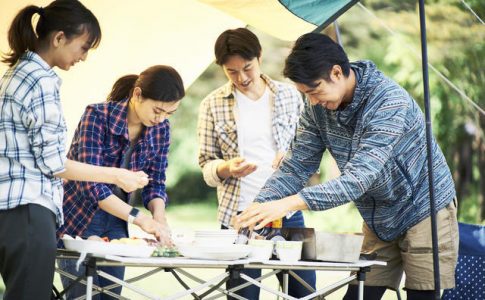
(214, 287)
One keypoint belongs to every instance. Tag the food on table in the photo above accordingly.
(165, 251)
(95, 238)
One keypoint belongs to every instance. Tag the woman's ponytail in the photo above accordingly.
(21, 35)
(122, 88)
(69, 16)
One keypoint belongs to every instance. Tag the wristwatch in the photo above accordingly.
(133, 214)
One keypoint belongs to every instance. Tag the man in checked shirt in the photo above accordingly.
(244, 130)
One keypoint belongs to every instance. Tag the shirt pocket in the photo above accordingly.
(227, 138)
(393, 188)
(112, 155)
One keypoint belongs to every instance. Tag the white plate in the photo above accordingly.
(104, 248)
(225, 252)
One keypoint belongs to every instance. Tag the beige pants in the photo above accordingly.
(412, 254)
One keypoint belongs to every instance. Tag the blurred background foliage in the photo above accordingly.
(456, 48)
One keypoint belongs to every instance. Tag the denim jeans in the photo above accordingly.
(103, 224)
(295, 288)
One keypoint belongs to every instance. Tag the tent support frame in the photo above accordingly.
(429, 136)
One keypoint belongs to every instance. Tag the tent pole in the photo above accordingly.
(337, 33)
(429, 136)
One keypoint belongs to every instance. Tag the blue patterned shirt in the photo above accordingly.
(379, 144)
(32, 136)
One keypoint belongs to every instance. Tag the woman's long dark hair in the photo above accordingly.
(68, 16)
(161, 83)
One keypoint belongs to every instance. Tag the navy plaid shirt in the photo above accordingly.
(101, 138)
(32, 136)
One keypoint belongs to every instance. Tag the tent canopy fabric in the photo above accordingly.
(284, 19)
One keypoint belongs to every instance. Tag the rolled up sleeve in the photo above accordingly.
(47, 129)
(210, 155)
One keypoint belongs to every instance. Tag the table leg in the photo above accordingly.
(361, 279)
(89, 287)
(361, 290)
(285, 281)
(90, 263)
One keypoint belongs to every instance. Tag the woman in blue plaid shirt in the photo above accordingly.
(131, 130)
(32, 143)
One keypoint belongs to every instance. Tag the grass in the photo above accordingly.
(204, 216)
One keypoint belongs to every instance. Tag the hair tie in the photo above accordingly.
(40, 11)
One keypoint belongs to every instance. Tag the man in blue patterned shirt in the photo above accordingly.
(376, 133)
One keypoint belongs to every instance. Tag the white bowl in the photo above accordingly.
(260, 249)
(289, 250)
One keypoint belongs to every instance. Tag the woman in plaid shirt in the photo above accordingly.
(32, 142)
(245, 128)
(131, 130)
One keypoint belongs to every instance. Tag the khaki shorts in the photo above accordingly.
(412, 254)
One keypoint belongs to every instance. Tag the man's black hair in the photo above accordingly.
(313, 57)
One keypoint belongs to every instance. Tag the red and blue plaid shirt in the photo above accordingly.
(101, 138)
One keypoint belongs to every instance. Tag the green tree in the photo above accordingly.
(456, 48)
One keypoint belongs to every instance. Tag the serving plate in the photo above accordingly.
(98, 248)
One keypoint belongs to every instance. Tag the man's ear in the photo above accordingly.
(336, 73)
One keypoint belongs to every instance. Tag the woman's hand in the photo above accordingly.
(151, 226)
(130, 181)
(165, 234)
(157, 208)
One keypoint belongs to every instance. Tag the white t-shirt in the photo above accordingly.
(256, 143)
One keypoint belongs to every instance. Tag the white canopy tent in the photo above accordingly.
(136, 35)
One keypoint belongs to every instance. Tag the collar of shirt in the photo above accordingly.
(119, 124)
(228, 88)
(365, 74)
(34, 57)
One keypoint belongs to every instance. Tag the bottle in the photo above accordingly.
(263, 232)
(276, 234)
